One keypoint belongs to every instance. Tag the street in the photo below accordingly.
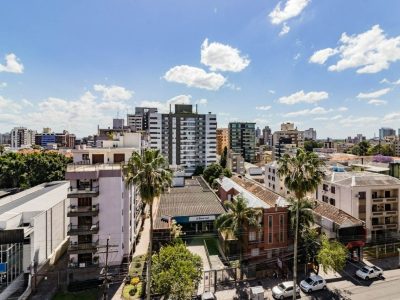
(341, 286)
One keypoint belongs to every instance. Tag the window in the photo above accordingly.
(387, 194)
(270, 221)
(332, 189)
(325, 187)
(252, 236)
(270, 237)
(374, 221)
(363, 195)
(281, 218)
(332, 201)
(281, 237)
(255, 252)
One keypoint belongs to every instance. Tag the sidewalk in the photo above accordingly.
(141, 249)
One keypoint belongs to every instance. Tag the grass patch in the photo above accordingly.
(212, 246)
(84, 295)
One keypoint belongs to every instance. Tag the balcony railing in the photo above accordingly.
(384, 199)
(76, 211)
(385, 226)
(83, 229)
(81, 248)
(384, 213)
(80, 192)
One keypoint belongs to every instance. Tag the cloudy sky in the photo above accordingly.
(331, 65)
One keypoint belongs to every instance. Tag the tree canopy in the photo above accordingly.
(19, 170)
(176, 272)
(310, 145)
(213, 172)
(332, 255)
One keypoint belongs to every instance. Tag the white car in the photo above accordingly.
(208, 296)
(284, 289)
(313, 283)
(368, 272)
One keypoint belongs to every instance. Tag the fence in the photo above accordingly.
(381, 251)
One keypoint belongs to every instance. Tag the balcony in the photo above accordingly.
(384, 213)
(77, 211)
(81, 192)
(384, 199)
(83, 229)
(82, 248)
(384, 226)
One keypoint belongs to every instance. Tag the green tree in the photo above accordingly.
(311, 244)
(306, 218)
(212, 172)
(149, 174)
(238, 217)
(227, 173)
(301, 173)
(176, 272)
(386, 150)
(361, 148)
(332, 255)
(2, 149)
(223, 159)
(310, 145)
(198, 171)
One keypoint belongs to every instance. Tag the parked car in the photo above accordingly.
(368, 272)
(284, 289)
(313, 283)
(208, 296)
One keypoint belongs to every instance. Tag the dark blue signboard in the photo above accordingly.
(3, 267)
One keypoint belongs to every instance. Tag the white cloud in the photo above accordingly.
(9, 105)
(233, 86)
(301, 97)
(12, 65)
(27, 102)
(113, 92)
(202, 101)
(337, 117)
(195, 77)
(377, 102)
(165, 106)
(395, 116)
(220, 57)
(264, 107)
(3, 85)
(305, 112)
(384, 80)
(285, 29)
(374, 94)
(352, 121)
(271, 91)
(342, 108)
(291, 9)
(297, 56)
(321, 56)
(369, 52)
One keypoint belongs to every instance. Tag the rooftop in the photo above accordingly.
(361, 178)
(194, 199)
(335, 214)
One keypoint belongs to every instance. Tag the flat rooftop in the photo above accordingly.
(361, 178)
(194, 199)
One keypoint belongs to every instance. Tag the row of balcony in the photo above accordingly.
(81, 192)
(83, 229)
(81, 248)
(383, 200)
(77, 211)
(384, 226)
(384, 213)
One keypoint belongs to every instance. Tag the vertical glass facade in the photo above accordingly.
(12, 256)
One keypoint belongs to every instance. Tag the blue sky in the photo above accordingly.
(331, 65)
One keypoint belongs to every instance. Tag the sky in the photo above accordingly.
(74, 65)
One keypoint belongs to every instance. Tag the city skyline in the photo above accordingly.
(308, 62)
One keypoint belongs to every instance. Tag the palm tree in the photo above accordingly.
(306, 218)
(238, 216)
(148, 174)
(302, 173)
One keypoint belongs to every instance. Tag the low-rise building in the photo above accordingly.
(370, 197)
(272, 180)
(235, 162)
(33, 224)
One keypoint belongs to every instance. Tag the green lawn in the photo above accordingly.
(84, 295)
(211, 242)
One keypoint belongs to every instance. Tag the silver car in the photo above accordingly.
(284, 290)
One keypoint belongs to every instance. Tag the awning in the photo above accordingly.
(355, 244)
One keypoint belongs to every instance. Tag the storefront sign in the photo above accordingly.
(201, 218)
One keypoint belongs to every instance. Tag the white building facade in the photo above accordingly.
(21, 137)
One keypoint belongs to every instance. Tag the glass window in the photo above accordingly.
(252, 236)
(270, 237)
(269, 221)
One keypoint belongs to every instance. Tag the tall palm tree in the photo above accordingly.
(302, 173)
(148, 173)
(238, 216)
(306, 218)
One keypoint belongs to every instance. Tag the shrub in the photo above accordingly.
(135, 280)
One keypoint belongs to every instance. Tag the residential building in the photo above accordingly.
(185, 138)
(194, 206)
(222, 140)
(267, 136)
(370, 197)
(22, 137)
(258, 133)
(140, 120)
(235, 162)
(33, 224)
(272, 180)
(101, 205)
(286, 140)
(396, 147)
(5, 138)
(118, 123)
(386, 131)
(242, 139)
(272, 239)
(310, 134)
(64, 139)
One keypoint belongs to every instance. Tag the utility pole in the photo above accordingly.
(105, 282)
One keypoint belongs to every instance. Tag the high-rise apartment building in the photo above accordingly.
(185, 138)
(222, 139)
(286, 140)
(118, 123)
(5, 138)
(101, 204)
(140, 120)
(310, 134)
(386, 131)
(242, 139)
(22, 137)
(267, 136)
(64, 139)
